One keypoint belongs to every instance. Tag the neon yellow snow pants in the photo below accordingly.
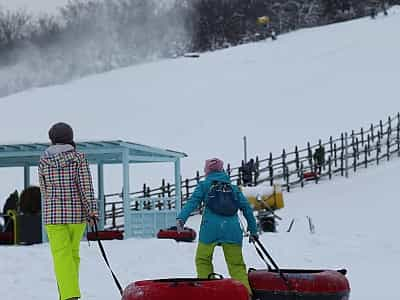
(233, 258)
(64, 242)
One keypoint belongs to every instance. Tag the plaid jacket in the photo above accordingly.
(66, 186)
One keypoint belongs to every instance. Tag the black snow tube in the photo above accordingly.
(300, 285)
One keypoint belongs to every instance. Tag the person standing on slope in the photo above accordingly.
(220, 225)
(68, 196)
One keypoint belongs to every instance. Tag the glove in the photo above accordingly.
(179, 225)
(92, 218)
(253, 237)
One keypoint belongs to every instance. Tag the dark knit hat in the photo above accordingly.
(61, 133)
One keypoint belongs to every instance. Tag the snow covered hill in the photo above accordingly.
(308, 85)
(355, 222)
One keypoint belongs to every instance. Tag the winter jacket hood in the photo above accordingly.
(60, 156)
(66, 185)
(218, 176)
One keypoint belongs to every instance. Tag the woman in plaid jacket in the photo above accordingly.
(67, 192)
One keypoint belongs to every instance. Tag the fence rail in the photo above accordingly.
(348, 152)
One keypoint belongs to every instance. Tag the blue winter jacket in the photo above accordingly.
(217, 228)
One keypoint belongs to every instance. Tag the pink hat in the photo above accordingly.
(213, 165)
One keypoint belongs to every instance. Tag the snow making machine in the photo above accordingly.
(265, 200)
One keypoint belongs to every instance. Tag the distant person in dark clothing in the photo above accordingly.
(267, 31)
(377, 6)
(385, 5)
(319, 158)
(247, 170)
(11, 204)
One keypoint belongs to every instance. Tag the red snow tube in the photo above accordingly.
(310, 175)
(186, 289)
(302, 284)
(105, 235)
(187, 235)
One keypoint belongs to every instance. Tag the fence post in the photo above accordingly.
(287, 179)
(346, 155)
(388, 148)
(257, 170)
(335, 154)
(372, 132)
(228, 170)
(378, 150)
(187, 187)
(144, 190)
(301, 175)
(114, 219)
(198, 175)
(309, 154)
(342, 163)
(148, 191)
(354, 159)
(331, 145)
(369, 144)
(342, 142)
(296, 153)
(366, 156)
(330, 167)
(163, 187)
(398, 137)
(381, 127)
(169, 189)
(241, 173)
(362, 136)
(357, 150)
(271, 170)
(283, 162)
(389, 128)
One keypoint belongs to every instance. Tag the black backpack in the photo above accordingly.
(222, 199)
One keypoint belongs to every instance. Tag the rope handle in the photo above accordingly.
(103, 253)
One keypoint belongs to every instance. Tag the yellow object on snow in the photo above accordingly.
(270, 199)
(263, 20)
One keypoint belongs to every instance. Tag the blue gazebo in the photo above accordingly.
(137, 222)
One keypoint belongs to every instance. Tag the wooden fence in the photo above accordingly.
(342, 155)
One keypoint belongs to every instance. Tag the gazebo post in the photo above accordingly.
(178, 195)
(27, 176)
(125, 194)
(100, 193)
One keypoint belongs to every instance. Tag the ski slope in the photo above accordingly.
(308, 85)
(355, 220)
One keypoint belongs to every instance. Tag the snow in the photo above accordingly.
(355, 228)
(310, 84)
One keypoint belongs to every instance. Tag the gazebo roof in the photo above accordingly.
(107, 152)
